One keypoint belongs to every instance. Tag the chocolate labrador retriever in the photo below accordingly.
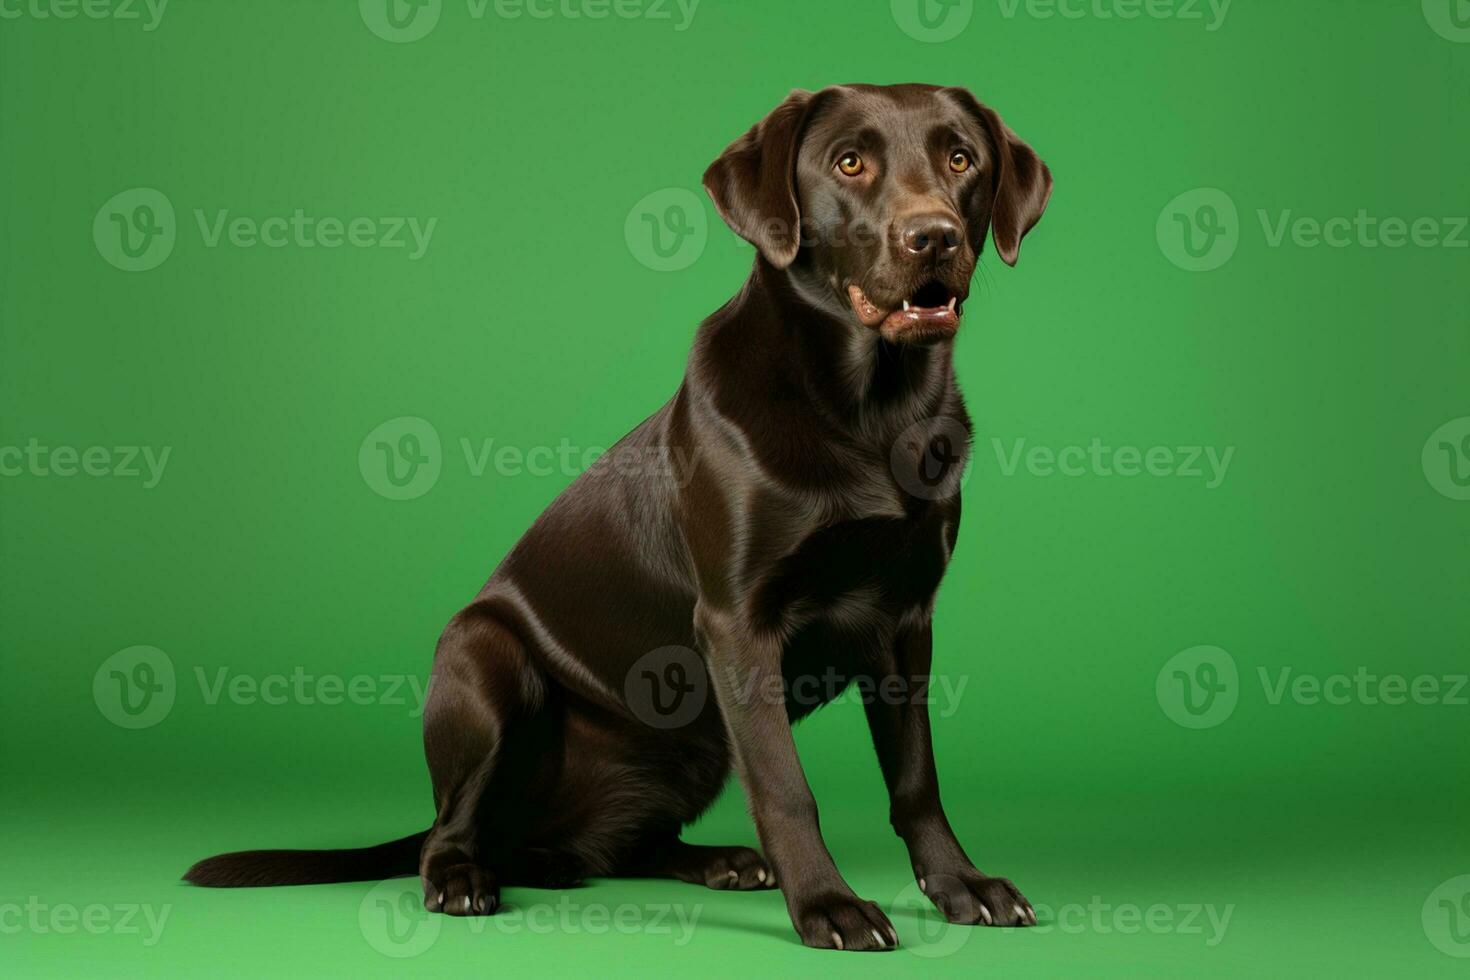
(775, 533)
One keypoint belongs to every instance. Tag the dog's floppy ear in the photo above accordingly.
(753, 183)
(1022, 181)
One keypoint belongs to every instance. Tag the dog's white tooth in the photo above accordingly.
(905, 306)
(952, 301)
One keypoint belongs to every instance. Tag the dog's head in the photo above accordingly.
(882, 198)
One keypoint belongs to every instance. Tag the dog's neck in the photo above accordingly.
(847, 368)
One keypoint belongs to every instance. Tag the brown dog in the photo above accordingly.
(775, 532)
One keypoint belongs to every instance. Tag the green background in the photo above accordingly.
(531, 320)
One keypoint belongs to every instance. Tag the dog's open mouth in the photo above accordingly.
(932, 313)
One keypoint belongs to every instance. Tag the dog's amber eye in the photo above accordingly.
(959, 161)
(851, 164)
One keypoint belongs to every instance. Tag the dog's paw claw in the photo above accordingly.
(462, 889)
(738, 869)
(845, 922)
(971, 898)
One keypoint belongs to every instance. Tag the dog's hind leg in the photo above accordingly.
(483, 694)
(724, 868)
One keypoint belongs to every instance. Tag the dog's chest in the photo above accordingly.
(859, 573)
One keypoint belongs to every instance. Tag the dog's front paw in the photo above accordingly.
(461, 889)
(835, 921)
(971, 898)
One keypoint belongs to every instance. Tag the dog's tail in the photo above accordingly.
(253, 869)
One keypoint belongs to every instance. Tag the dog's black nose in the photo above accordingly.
(930, 234)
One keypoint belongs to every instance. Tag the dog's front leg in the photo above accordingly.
(898, 715)
(745, 671)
